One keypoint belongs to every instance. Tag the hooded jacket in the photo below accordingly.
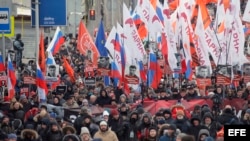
(143, 130)
(72, 137)
(203, 132)
(213, 127)
(29, 132)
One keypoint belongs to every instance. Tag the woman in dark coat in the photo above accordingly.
(103, 99)
(55, 133)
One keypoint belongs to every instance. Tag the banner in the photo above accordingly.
(154, 106)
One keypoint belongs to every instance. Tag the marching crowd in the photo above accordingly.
(25, 119)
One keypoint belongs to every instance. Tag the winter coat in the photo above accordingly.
(118, 127)
(54, 135)
(143, 129)
(106, 136)
(103, 100)
(131, 128)
(182, 124)
(213, 127)
(194, 130)
(167, 138)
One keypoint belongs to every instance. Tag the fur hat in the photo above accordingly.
(180, 112)
(69, 128)
(30, 132)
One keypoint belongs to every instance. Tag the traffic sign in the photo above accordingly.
(10, 33)
(4, 20)
(51, 13)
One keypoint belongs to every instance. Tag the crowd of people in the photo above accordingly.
(25, 119)
(123, 117)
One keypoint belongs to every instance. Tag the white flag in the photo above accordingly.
(246, 15)
(134, 47)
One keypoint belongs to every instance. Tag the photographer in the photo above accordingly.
(228, 117)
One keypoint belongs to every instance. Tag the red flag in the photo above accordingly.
(42, 53)
(86, 46)
(164, 47)
(69, 69)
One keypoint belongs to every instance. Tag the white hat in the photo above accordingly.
(248, 84)
(210, 94)
(103, 123)
(105, 113)
(84, 130)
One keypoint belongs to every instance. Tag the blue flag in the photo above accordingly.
(100, 40)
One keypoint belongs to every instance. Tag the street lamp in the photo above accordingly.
(75, 20)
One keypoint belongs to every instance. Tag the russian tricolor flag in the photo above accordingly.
(2, 67)
(50, 59)
(154, 71)
(159, 14)
(41, 85)
(11, 79)
(116, 65)
(115, 74)
(189, 71)
(142, 72)
(57, 41)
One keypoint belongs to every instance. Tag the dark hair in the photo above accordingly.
(52, 66)
(18, 36)
(132, 67)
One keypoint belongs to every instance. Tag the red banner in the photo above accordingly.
(154, 106)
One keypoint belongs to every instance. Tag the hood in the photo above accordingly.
(204, 131)
(146, 115)
(72, 137)
(163, 127)
(208, 114)
(29, 131)
(195, 118)
(70, 128)
(132, 113)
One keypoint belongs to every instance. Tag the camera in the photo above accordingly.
(216, 99)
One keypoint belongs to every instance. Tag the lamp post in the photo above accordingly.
(80, 14)
(37, 29)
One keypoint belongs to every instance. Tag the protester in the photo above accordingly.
(105, 133)
(90, 109)
(85, 135)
